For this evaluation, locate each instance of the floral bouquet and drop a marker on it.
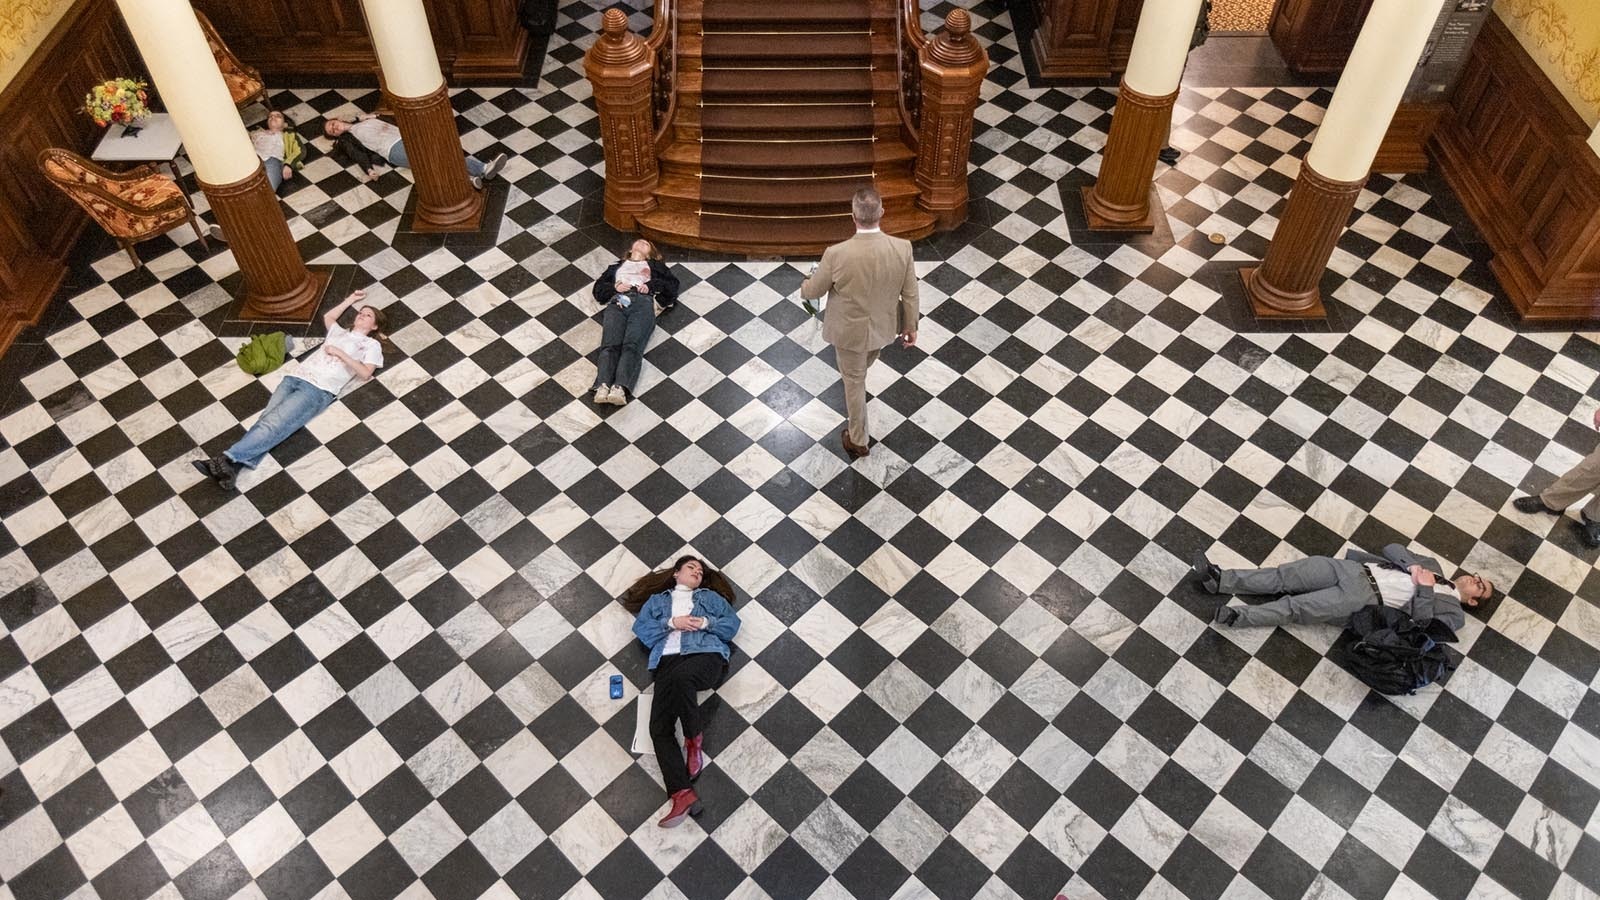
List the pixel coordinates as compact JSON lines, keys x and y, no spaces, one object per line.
{"x":120,"y":100}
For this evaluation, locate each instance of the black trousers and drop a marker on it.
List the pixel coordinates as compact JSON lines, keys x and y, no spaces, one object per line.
{"x":678,"y":678}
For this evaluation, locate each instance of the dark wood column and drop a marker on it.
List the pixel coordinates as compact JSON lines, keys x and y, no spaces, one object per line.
{"x":953,"y":66}
{"x":277,"y":284}
{"x":621,"y":73}
{"x":1284,"y":286}
{"x":1120,"y":197}
{"x":446,"y":200}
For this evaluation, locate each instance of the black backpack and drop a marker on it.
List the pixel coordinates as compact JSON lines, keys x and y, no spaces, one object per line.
{"x":1391,"y":653}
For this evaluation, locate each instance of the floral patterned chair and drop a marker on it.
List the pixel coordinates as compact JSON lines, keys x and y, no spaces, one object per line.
{"x":244,"y":82}
{"x":131,"y":206}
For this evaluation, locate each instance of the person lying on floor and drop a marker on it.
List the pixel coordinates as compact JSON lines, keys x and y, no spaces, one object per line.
{"x":1324,"y":590}
{"x":310,"y":388}
{"x":383,"y":139}
{"x":629,"y":292}
{"x":689,"y":631}
{"x":279,"y":147}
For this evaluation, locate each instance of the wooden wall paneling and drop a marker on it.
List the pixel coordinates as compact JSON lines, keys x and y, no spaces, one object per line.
{"x":1514,"y":151}
{"x":1122,"y":29}
{"x":38,"y":224}
{"x":1073,"y":39}
{"x":489,"y":40}
{"x":1315,"y":37}
{"x":478,"y":41}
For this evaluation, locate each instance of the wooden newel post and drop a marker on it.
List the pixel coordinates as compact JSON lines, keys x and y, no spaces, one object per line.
{"x":953,"y":66}
{"x":621,"y":69}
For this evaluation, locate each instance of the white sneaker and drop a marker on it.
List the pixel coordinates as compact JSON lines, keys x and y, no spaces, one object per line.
{"x":494,"y":166}
{"x":618,"y":396}
{"x":602,"y":394}
{"x":477,"y":183}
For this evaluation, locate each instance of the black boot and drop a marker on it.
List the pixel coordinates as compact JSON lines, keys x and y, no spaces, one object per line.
{"x":224,"y":470}
{"x":1209,"y":576}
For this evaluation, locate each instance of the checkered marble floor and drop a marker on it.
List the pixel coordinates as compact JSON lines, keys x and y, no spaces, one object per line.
{"x":971,"y":665}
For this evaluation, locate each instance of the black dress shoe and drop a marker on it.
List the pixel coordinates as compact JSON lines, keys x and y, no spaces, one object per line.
{"x":1532,"y":504}
{"x":1209,"y":576}
{"x":1226,"y":615}
{"x":1589,"y":531}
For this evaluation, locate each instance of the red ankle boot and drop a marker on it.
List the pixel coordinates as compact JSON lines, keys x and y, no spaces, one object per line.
{"x":695,"y":757}
{"x":684,"y":803}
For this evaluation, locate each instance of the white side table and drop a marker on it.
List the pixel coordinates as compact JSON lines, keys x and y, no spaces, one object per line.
{"x":157,"y":142}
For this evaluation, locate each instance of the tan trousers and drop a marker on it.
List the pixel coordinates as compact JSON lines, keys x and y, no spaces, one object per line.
{"x":1579,"y":482}
{"x":853,"y":366}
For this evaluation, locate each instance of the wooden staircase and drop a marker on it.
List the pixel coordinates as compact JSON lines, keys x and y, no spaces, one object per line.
{"x":784,"y":110}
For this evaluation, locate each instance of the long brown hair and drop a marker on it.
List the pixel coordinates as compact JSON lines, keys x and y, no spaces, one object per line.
{"x":380,"y":327}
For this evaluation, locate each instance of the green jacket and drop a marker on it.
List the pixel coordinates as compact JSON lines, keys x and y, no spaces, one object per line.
{"x":263,"y":353}
{"x":294,"y":151}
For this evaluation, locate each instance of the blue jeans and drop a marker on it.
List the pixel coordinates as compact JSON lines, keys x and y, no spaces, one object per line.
{"x":398,"y":159}
{"x":293,"y":404}
{"x":624,"y":333}
{"x":274,"y":167}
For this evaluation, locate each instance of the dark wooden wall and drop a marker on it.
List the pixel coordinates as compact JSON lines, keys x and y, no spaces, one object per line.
{"x":1315,"y":37}
{"x":1083,"y":38}
{"x":38,"y":224}
{"x":479,"y":41}
{"x":1514,"y":151}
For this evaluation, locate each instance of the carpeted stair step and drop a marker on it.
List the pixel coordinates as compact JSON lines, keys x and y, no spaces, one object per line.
{"x":766,"y":85}
{"x":749,"y":15}
{"x":800,"y":49}
{"x":744,"y":120}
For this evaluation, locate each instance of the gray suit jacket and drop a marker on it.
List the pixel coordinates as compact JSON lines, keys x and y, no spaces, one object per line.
{"x":1426,"y":604}
{"x":872,"y":291}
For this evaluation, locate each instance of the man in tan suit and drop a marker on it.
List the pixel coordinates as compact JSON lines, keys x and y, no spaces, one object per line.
{"x":1580,"y":481}
{"x":872,"y":299}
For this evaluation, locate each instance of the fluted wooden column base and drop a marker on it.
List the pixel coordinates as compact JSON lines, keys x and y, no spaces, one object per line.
{"x":1284,"y":286}
{"x":446,"y":200}
{"x":277,"y":284}
{"x":1119,"y":200}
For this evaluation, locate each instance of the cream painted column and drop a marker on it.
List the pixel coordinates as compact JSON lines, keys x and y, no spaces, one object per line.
{"x":446,"y":200}
{"x":1119,"y":200}
{"x":277,"y":284}
{"x":1284,"y":286}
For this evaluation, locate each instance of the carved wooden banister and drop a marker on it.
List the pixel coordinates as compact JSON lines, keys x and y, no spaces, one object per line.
{"x":621,"y":67}
{"x":951,"y":70}
{"x":663,"y":43}
{"x":909,"y":41}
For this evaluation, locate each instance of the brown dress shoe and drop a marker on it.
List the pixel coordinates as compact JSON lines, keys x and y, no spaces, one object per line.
{"x":855,"y":450}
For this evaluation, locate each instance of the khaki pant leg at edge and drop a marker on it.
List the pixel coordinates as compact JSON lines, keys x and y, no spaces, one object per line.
{"x":1580,"y":481}
{"x":853,"y":366}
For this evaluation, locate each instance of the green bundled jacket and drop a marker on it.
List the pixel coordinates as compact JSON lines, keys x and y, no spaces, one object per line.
{"x":263,"y":353}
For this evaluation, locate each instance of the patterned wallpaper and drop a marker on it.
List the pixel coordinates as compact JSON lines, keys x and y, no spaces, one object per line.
{"x":1563,"y":37}
{"x":23,"y":25}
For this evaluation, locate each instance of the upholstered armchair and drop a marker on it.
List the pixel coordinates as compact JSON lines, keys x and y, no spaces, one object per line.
{"x":131,"y":206}
{"x":244,"y":82}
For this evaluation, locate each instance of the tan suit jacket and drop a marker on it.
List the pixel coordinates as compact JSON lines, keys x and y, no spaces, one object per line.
{"x":872,"y":291}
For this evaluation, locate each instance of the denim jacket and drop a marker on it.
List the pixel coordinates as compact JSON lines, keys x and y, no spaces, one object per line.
{"x":722,"y":623}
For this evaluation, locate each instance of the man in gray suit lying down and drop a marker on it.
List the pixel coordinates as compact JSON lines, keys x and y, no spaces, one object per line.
{"x":1321,"y":589}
